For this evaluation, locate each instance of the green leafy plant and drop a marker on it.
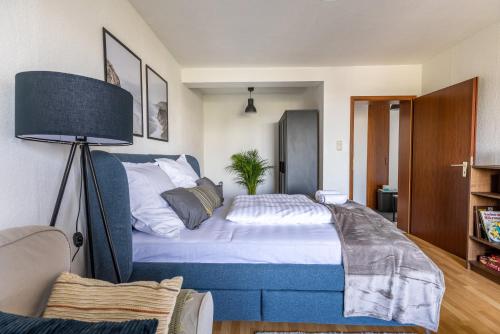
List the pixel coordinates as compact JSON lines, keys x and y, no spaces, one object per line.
{"x":249,"y":168}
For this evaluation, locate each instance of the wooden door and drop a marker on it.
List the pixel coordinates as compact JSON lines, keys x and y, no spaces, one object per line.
{"x":443,"y":135}
{"x":377,"y":162}
{"x":404,"y":164}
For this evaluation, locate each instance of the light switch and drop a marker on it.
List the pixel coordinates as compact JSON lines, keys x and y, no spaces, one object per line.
{"x":339,"y":145}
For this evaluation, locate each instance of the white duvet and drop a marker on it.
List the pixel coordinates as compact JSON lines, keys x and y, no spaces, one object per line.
{"x":277,"y":209}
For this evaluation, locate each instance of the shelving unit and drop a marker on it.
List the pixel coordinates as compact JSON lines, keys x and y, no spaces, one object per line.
{"x":485,"y":271}
{"x":481,"y":195}
{"x":486,"y":194}
{"x":485,"y":242}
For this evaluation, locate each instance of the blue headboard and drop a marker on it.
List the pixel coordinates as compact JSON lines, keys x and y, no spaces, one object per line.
{"x":113,"y":184}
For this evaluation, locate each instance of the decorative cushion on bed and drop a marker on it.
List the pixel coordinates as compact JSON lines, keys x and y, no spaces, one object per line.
{"x":208,"y":197}
{"x":17,"y":324}
{"x":150,"y":212}
{"x":179,"y":171}
{"x":207,"y":182}
{"x":92,"y":300}
{"x":187,"y":206}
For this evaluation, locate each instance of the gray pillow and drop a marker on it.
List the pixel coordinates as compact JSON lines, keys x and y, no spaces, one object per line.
{"x":187,"y":206}
{"x":205,"y":181}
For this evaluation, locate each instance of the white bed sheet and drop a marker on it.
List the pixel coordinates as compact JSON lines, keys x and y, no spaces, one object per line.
{"x":221,"y":241}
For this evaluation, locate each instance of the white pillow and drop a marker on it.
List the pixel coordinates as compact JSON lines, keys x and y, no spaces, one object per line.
{"x":179,"y":171}
{"x":152,"y":214}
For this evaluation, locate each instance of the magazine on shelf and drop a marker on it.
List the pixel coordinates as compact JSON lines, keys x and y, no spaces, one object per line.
{"x":490,"y":222}
{"x":478,"y":229}
{"x":492,"y":262}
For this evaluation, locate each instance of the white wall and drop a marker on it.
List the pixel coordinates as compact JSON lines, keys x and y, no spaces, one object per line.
{"x":360,"y":151}
{"x":228,"y":130}
{"x":316,"y":99}
{"x":393,"y":147}
{"x":478,"y":55}
{"x":340,"y":83}
{"x":66,"y":36}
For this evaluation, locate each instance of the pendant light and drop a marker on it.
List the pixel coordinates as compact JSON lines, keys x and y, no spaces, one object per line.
{"x":250,"y":107}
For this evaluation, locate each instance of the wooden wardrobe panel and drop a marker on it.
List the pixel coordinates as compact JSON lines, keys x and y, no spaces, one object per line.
{"x":443,"y":134}
{"x":404,"y":164}
{"x":377,"y":150}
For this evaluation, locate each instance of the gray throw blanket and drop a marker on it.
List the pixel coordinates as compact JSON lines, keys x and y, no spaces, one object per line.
{"x":387,"y":276}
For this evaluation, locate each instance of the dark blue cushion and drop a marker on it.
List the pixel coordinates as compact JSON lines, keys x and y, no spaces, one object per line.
{"x":16,"y":324}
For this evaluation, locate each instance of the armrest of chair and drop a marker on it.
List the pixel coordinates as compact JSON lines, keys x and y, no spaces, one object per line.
{"x":194,"y":314}
{"x":31,"y":258}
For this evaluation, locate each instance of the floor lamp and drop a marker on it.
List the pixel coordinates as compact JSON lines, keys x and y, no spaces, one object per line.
{"x":82,"y":112}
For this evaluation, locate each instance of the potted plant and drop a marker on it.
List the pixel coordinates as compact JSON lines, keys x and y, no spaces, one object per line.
{"x":249,"y":168}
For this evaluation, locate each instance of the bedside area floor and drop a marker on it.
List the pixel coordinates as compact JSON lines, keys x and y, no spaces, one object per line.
{"x":471,"y":304}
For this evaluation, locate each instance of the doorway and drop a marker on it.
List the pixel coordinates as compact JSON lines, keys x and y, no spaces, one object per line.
{"x":444,"y":127}
{"x":379,"y":141}
{"x":436,"y":148}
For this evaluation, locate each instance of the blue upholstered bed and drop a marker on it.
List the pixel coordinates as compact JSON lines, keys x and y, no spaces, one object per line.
{"x":257,"y":292}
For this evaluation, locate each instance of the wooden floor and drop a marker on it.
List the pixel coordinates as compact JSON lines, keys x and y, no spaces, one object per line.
{"x":471,"y":305}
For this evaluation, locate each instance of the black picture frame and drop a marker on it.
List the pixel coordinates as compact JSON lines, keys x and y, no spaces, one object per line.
{"x":106,"y":33}
{"x":149,"y":113}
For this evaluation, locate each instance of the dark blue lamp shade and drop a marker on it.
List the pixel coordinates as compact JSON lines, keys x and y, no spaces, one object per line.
{"x":67,"y":108}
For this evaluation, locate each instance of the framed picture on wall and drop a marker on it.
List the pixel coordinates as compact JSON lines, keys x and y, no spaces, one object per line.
{"x":156,"y":105}
{"x":123,"y":68}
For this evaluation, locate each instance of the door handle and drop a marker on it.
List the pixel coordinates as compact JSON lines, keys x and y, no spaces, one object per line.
{"x":282,"y":167}
{"x":464,"y":166}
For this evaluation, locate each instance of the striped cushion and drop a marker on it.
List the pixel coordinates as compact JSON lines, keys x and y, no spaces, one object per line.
{"x":207,"y":196}
{"x":217,"y":187}
{"x":92,"y":300}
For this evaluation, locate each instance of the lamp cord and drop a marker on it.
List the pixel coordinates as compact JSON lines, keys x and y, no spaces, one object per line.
{"x":78,"y":215}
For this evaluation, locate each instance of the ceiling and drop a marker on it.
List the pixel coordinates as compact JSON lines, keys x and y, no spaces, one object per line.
{"x":258,"y":90}
{"x":240,"y":33}
{"x":276,"y":87}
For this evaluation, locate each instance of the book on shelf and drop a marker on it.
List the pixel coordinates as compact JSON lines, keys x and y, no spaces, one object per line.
{"x":478,"y":231}
{"x":490,"y":261}
{"x":487,"y":225}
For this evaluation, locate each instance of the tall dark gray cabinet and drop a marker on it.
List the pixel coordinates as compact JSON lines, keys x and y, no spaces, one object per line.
{"x":298,"y":152}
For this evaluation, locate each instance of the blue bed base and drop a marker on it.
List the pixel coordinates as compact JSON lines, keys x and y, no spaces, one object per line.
{"x":255,"y":292}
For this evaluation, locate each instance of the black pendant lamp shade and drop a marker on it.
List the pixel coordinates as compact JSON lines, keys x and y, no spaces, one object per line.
{"x":250,"y":107}
{"x":67,"y":108}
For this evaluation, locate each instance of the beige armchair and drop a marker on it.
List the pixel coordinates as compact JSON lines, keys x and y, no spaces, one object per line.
{"x":32,"y":257}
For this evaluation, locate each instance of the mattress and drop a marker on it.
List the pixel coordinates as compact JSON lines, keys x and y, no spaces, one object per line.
{"x":221,"y":241}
